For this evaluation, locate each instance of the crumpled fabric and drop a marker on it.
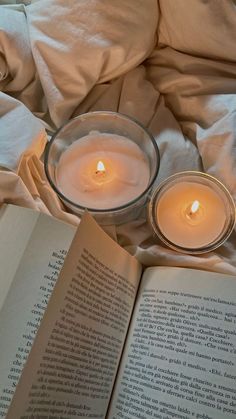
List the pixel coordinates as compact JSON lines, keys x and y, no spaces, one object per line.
{"x":170,"y":64}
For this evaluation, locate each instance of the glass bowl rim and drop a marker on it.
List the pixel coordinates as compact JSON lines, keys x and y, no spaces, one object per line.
{"x":100,"y":210}
{"x":191,"y":250}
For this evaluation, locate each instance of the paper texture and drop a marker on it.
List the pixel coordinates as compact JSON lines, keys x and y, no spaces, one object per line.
{"x":72,"y":366}
{"x":35,"y":245}
{"x":180,"y":356}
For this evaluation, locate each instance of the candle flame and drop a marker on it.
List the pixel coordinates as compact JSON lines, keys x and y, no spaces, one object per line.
{"x":195,"y":206}
{"x":100,"y":167}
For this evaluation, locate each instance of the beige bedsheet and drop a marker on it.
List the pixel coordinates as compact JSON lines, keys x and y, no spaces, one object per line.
{"x":171,"y":64}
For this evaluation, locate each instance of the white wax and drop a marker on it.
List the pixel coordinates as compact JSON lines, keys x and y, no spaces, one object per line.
{"x":175,"y":224}
{"x":126,"y":177}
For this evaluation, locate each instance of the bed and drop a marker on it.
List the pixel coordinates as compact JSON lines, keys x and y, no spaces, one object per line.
{"x":171,"y":64}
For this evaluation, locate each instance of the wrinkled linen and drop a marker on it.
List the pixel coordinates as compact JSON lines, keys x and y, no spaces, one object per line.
{"x":170,"y":64}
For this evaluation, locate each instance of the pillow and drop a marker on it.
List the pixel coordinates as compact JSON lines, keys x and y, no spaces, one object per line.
{"x":79,"y":43}
{"x":205,"y":28}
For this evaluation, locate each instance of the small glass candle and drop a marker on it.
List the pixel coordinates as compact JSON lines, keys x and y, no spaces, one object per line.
{"x":192,"y":212}
{"x":105,"y":162}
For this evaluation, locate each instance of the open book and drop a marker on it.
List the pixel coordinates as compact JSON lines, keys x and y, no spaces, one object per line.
{"x":113,"y":340}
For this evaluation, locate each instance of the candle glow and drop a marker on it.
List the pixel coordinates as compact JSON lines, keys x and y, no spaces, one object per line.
{"x":101,"y":175}
{"x":190,"y":222}
{"x":103,"y":171}
{"x":100,"y":168}
{"x":194,"y":208}
{"x":194,"y":212}
{"x":103,"y":162}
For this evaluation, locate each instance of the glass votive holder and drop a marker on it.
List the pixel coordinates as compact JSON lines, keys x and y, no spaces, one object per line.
{"x":192,"y":212}
{"x":105,"y":162}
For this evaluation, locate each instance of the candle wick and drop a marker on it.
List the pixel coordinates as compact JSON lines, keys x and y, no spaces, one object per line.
{"x":191,"y":214}
{"x":194,"y":208}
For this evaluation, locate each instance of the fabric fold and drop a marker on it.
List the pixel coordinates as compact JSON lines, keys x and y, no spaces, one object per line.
{"x":169,"y":64}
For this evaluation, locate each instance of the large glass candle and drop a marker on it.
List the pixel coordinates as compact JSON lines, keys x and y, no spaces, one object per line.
{"x":104,"y":162}
{"x":192,"y":212}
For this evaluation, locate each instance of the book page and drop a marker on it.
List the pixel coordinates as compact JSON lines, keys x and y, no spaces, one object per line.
{"x":73,"y":363}
{"x":16,"y":225}
{"x":180,"y":357}
{"x":32,"y":249}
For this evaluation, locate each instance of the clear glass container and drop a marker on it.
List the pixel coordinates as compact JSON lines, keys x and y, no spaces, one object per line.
{"x":109,"y":123}
{"x":176,"y":222}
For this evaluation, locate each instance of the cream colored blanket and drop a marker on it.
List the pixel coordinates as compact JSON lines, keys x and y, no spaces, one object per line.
{"x":171,"y":64}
